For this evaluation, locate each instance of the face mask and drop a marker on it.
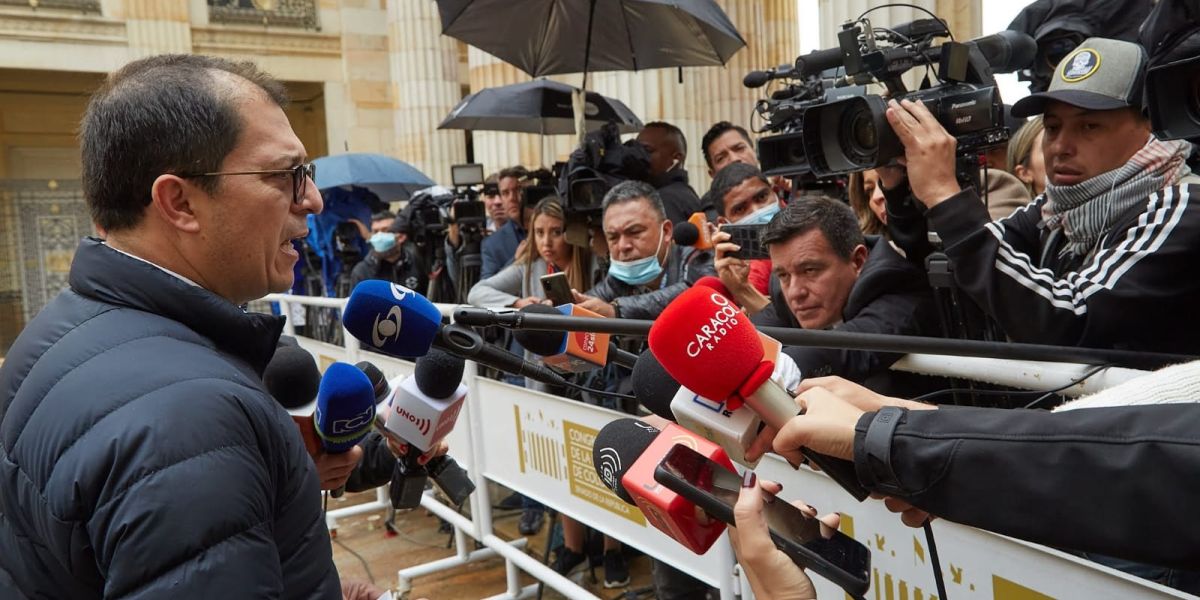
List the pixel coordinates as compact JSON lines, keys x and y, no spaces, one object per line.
{"x":761,"y":216}
{"x":383,"y":241}
{"x":640,"y":271}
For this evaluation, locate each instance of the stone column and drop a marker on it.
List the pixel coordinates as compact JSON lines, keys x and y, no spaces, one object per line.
{"x":425,"y":88}
{"x":156,"y":26}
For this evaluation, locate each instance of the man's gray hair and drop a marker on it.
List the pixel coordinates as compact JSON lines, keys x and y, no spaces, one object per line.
{"x":630,"y":191}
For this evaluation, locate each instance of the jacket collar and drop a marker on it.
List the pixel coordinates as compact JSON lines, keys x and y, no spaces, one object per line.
{"x":104,"y":274}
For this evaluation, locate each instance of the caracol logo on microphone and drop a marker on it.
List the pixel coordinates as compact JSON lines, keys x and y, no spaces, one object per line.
{"x":711,"y":333}
{"x":400,"y":292}
{"x":387,"y":326}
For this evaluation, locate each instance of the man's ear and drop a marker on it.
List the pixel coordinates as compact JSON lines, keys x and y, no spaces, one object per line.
{"x":171,"y":201}
{"x":858,"y":257}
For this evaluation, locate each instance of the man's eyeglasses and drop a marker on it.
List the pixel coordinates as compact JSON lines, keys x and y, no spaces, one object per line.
{"x":300,"y":176}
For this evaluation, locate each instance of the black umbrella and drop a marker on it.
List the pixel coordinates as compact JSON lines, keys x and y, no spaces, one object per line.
{"x":548,"y":37}
{"x":541,"y":106}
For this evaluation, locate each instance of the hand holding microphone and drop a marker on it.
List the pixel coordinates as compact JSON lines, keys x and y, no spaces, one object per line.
{"x":344,"y":416}
{"x":711,"y":347}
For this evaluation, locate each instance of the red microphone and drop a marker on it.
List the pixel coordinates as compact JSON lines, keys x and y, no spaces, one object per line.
{"x":711,"y":348}
{"x":715,"y":283}
{"x":625,"y":454}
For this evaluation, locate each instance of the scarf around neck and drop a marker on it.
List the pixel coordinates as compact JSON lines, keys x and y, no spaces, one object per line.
{"x":1085,"y":211}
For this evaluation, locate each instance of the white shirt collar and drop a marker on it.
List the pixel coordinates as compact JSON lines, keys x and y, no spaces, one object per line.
{"x":159,"y":267}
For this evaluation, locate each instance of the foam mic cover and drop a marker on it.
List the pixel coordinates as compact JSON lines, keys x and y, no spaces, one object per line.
{"x":292,"y":377}
{"x":542,"y":343}
{"x":439,"y":374}
{"x":567,"y":351}
{"x":653,"y":386}
{"x":378,"y":380}
{"x":708,"y":345}
{"x":686,"y":234}
{"x":391,"y":318}
{"x":714,"y":283}
{"x":626,"y":453}
{"x":345,"y":407}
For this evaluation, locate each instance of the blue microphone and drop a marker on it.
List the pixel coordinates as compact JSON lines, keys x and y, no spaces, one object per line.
{"x":377,"y":312}
{"x":396,"y":320}
{"x":345,"y":410}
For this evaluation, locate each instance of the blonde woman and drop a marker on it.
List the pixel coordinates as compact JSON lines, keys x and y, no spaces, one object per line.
{"x":1025,"y":158}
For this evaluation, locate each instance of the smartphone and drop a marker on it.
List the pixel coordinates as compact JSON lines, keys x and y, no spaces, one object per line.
{"x":557,"y":289}
{"x":714,"y":488}
{"x":749,"y":237}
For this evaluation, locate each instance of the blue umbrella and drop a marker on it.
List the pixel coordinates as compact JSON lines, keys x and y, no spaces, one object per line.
{"x":391,"y":179}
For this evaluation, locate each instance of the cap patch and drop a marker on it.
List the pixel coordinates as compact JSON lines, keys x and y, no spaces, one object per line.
{"x":1080,"y":65}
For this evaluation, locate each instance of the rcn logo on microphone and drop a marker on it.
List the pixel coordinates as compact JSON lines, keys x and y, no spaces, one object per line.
{"x":388,"y":326}
{"x":724,"y":317}
{"x":354,"y":424}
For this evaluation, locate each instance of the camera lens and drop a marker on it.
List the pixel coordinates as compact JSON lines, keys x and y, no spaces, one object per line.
{"x":859,"y":139}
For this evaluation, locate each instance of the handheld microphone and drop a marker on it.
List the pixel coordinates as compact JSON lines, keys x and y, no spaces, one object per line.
{"x":378,"y":313}
{"x":292,"y":377}
{"x":757,"y":79}
{"x":577,"y":347}
{"x":571,"y":352}
{"x":693,"y":232}
{"x":345,"y":409}
{"x":625,"y":454}
{"x":711,"y":347}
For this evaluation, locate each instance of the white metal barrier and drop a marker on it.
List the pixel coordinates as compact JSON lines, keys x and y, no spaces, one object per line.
{"x":540,"y":446}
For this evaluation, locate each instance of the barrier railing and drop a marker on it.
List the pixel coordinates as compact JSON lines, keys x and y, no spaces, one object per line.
{"x":540,"y":445}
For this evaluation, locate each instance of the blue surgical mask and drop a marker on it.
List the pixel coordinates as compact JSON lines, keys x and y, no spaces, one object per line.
{"x":761,"y":216}
{"x":640,"y":271}
{"x":383,"y":241}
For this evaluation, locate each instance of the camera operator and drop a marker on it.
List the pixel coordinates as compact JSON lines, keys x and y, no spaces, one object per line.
{"x":647,"y":270}
{"x":667,"y":147}
{"x":725,"y":143}
{"x":392,"y":257}
{"x":502,"y":246}
{"x":1109,"y":238}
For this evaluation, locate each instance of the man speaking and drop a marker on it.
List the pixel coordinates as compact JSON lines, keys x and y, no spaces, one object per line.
{"x":139,"y":453}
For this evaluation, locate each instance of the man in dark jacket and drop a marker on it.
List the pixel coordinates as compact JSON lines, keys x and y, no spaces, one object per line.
{"x":667,"y":147}
{"x":140,"y":455}
{"x":499,"y":248}
{"x":826,"y":275}
{"x":647,"y":270}
{"x":391,"y":258}
{"x":1100,"y":259}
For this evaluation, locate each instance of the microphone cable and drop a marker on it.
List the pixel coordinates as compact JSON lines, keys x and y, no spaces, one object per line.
{"x":934,"y":561}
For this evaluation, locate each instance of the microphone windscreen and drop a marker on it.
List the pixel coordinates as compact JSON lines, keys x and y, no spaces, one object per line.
{"x":292,"y":377}
{"x":345,"y":407}
{"x":653,"y":386}
{"x":715,"y":283}
{"x":686,"y":234}
{"x":542,"y":343}
{"x":706,"y":343}
{"x":391,"y":318}
{"x":378,"y":380}
{"x":439,"y":373}
{"x":617,"y":446}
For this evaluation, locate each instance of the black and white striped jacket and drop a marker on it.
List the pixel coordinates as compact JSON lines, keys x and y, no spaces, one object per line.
{"x":1137,"y":290}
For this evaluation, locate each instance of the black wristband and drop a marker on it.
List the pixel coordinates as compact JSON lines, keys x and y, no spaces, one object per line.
{"x":875,"y":454}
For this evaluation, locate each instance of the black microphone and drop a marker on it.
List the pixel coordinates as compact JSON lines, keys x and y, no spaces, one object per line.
{"x":554,"y":344}
{"x":467,"y":344}
{"x":292,"y":377}
{"x":686,"y":234}
{"x":757,"y":79}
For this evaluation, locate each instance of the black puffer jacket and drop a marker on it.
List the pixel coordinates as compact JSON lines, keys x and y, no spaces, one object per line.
{"x":140,"y":455}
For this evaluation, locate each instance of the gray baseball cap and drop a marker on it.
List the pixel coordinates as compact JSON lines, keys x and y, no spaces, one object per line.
{"x":1099,"y":74}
